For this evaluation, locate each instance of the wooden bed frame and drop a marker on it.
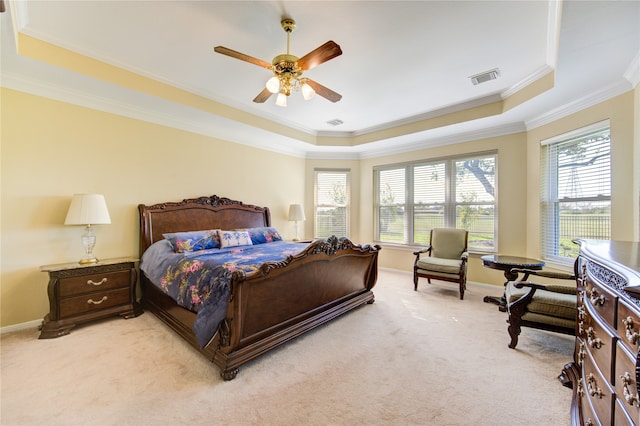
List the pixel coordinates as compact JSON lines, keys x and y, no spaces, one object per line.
{"x":269,"y":307}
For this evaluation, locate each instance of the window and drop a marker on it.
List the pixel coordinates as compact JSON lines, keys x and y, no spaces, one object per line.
{"x":331,"y":203}
{"x":459,"y":192}
{"x":576,"y":191}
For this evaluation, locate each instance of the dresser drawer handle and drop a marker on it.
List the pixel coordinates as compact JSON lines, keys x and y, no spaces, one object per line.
{"x":93,"y":302}
{"x":595,"y":299}
{"x":592,"y":385}
{"x":632,"y":336}
{"x":581,"y":353}
{"x":580,"y":388}
{"x":93,"y":283}
{"x":594,"y":342}
{"x":628,"y":394}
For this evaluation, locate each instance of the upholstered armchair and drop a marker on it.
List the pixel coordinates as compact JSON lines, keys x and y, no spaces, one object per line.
{"x":445,"y":258}
{"x":550,"y":307}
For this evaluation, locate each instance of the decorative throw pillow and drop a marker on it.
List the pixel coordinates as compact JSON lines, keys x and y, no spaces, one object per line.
{"x":265,"y":234}
{"x":194,"y":240}
{"x":234,"y":238}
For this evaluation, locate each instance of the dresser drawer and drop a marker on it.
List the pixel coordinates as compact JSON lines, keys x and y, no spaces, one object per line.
{"x":621,"y":417}
{"x":599,"y":342}
{"x":596,"y":388}
{"x":589,"y":417}
{"x":625,"y":381}
{"x":628,"y":326}
{"x":94,"y":302}
{"x":74,"y":286}
{"x":603,"y":300}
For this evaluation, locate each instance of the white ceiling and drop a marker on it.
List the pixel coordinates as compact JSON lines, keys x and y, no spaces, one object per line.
{"x":402,"y":62}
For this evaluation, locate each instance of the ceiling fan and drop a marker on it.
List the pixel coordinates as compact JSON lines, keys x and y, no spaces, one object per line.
{"x":287,"y":70}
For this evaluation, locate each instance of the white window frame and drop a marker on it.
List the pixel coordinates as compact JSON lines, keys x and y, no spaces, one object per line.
{"x":551,"y":248}
{"x":450,"y":203}
{"x":318,"y":205}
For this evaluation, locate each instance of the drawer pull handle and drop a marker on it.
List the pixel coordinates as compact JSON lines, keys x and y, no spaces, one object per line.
{"x":632,"y":336}
{"x":628,"y":394}
{"x":93,"y":283}
{"x":93,"y":302}
{"x":595,"y":299}
{"x":594,"y":342}
{"x":581,"y":353}
{"x":592,"y":385}
{"x":580,"y":388}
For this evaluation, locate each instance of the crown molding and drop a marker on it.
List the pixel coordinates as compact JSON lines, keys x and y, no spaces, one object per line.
{"x":632,"y":74}
{"x":99,"y":103}
{"x":578,"y":105}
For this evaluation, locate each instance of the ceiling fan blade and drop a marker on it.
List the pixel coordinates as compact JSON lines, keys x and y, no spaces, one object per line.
{"x":262,"y":96}
{"x":322,"y":54}
{"x":242,"y":57}
{"x":324,"y":91}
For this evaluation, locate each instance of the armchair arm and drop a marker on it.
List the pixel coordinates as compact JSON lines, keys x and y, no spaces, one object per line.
{"x":427,"y":249}
{"x":544,"y":274}
{"x":550,"y":287}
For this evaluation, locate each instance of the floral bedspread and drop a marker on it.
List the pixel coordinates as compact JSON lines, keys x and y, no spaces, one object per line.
{"x":199,"y":280}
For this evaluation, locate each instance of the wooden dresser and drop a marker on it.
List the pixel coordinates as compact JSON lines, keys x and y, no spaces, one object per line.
{"x":606,"y":368}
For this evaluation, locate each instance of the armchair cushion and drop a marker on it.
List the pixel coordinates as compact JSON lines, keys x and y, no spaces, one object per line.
{"x":435,"y":264}
{"x":548,"y":303}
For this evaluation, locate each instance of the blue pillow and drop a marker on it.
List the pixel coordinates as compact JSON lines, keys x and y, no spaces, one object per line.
{"x":194,"y":240}
{"x":265,"y":234}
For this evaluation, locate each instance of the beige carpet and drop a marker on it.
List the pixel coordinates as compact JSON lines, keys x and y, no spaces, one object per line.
{"x":411,"y":358}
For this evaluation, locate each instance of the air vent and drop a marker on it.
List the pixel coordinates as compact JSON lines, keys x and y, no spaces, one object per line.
{"x":483,"y":77}
{"x":335,"y":122}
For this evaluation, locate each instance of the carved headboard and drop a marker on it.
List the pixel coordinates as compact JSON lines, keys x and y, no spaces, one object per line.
{"x":196,"y":214}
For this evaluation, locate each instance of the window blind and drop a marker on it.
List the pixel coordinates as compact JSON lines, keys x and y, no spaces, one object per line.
{"x":575,"y":193}
{"x":332,"y":200}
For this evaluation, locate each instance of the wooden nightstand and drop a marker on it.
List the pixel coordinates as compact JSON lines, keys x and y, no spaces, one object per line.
{"x":82,"y":293}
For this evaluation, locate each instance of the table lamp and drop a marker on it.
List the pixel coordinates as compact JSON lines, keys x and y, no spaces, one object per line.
{"x":296,"y":213}
{"x":88,"y":209}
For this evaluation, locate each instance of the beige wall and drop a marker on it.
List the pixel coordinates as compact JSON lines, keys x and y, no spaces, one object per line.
{"x":50,"y":150}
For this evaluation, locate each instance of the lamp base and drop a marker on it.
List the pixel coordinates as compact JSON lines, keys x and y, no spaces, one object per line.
{"x":88,"y":261}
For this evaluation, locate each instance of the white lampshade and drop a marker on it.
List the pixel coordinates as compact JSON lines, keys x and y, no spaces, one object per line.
{"x":273,"y":84}
{"x":296,"y":212}
{"x":307,"y":91}
{"x":281,"y":100}
{"x":88,"y":209}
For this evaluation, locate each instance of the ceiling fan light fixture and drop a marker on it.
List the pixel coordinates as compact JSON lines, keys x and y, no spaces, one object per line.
{"x":273,"y":84}
{"x":281,"y":100}
{"x":307,"y":91}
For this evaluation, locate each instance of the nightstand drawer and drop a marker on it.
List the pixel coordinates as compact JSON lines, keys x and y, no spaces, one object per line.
{"x":94,"y":302}
{"x":97,"y":282}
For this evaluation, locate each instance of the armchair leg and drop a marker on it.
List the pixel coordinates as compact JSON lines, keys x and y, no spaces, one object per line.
{"x":514,"y":332}
{"x":462,"y":288}
{"x":415,"y":281}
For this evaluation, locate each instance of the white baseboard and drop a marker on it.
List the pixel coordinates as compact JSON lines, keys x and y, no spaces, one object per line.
{"x":22,"y":326}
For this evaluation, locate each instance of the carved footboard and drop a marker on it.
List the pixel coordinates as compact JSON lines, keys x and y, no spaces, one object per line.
{"x":286,"y":299}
